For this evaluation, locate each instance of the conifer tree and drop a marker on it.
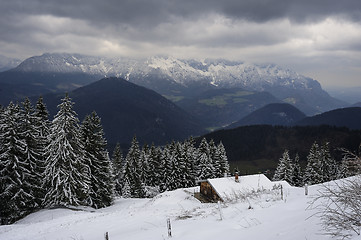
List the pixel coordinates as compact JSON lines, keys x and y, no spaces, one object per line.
{"x":159,"y":165}
{"x":126,"y":192}
{"x":313,"y":173}
{"x":66,"y":173}
{"x":191,"y":155}
{"x":42,"y":126}
{"x":31,"y":132}
{"x":206,"y":169}
{"x":118,"y":168}
{"x":284,"y":168}
{"x":223,"y":159}
{"x":215,"y":160}
{"x":143,"y":163}
{"x":14,"y":195}
{"x":41,"y":111}
{"x":101,"y":188}
{"x":343,"y":170}
{"x":154,"y":170}
{"x":297,"y":179}
{"x":328,"y":164}
{"x":184,"y":173}
{"x":172,"y":171}
{"x":166,"y":161}
{"x":132,"y":170}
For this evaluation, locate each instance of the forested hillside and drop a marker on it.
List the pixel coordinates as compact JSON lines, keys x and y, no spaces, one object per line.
{"x":258,"y":148}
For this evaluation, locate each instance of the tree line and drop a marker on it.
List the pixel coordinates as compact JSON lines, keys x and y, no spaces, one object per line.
{"x":150,"y":170}
{"x":64,"y":163}
{"x":321,"y":166}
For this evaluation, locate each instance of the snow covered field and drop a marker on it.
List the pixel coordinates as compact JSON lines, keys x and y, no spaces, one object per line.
{"x":270,"y":217}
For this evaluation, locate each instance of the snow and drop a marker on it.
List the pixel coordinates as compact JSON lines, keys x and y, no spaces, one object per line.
{"x":133,"y":219}
{"x":227,"y":187}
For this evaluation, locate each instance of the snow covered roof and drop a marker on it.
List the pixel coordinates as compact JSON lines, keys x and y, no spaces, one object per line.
{"x":284,"y":183}
{"x":227,"y":188}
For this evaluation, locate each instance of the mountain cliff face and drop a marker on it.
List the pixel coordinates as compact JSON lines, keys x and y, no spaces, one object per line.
{"x":176,"y":78}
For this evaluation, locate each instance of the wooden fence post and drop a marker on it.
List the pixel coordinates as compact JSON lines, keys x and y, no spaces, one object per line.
{"x":169,"y":228}
{"x":220,"y":210}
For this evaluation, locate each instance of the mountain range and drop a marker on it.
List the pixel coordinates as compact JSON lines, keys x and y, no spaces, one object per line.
{"x":282,"y":114}
{"x":219,"y":107}
{"x":350,"y":95}
{"x":129,"y":110}
{"x":174,"y":78}
{"x":204,"y":94}
{"x":343,"y":117}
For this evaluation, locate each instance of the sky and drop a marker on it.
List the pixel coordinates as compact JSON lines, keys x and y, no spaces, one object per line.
{"x":317,"y":38}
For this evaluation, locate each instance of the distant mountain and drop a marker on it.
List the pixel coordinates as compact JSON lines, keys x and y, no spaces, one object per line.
{"x":7,"y":63}
{"x":281,"y":114}
{"x":358,"y":104}
{"x":15,"y":85}
{"x":176,"y":78}
{"x":344,"y":117}
{"x":127,"y":110}
{"x":348,"y":94}
{"x":219,"y":107}
{"x":254,"y":149}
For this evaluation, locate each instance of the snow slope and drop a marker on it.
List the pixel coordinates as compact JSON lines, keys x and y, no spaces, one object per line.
{"x":136,"y":219}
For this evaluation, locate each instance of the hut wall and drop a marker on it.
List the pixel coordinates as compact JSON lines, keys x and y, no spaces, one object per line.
{"x":207,"y":190}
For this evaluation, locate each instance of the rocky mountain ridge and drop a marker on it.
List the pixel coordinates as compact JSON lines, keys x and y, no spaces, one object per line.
{"x":179,"y":78}
{"x":219,"y":72}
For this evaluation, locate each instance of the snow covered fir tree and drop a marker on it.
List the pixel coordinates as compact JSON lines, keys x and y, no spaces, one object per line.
{"x":67,"y":174}
{"x":321,"y":167}
{"x":147,"y":171}
{"x":284,"y":168}
{"x":101,"y":185}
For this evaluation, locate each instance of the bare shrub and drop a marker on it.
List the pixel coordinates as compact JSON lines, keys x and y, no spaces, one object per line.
{"x":352,"y":162}
{"x":338,"y":206}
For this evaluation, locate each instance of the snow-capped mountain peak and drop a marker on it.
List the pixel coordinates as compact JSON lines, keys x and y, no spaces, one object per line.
{"x":219,"y":72}
{"x":179,"y":78}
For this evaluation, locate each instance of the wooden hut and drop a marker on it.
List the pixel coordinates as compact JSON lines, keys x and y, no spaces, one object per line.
{"x":228,"y":188}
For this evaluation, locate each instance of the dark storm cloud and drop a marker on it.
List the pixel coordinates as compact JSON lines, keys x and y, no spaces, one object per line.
{"x":167,"y":21}
{"x":280,"y":31}
{"x":295,"y":10}
{"x":153,"y":12}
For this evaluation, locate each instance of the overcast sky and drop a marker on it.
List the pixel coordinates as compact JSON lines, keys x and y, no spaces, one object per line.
{"x":317,"y":38}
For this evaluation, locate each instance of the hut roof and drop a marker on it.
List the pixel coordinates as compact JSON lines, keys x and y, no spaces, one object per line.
{"x":227,"y":188}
